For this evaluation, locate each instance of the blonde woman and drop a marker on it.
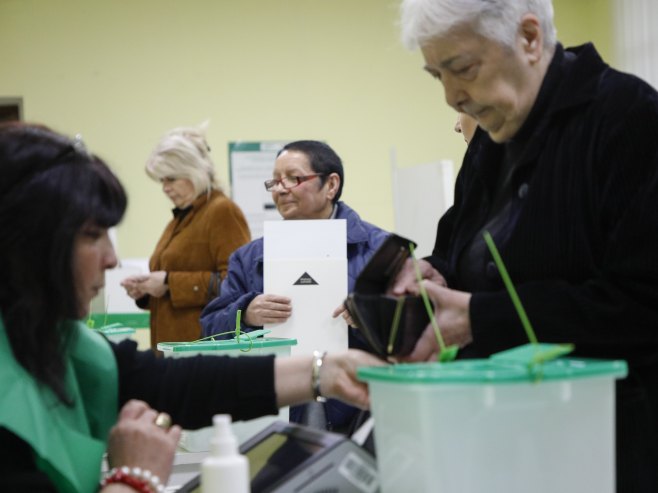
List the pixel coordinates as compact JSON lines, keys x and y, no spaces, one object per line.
{"x":192,"y":255}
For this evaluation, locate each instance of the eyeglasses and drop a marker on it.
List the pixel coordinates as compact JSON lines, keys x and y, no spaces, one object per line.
{"x":288,"y":182}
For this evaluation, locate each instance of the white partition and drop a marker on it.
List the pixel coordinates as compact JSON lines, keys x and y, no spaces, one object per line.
{"x":421,"y":194}
{"x":115,"y":298}
{"x":636,"y":38}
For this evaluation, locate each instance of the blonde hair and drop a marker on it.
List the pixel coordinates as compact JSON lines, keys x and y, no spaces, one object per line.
{"x":184,"y":153}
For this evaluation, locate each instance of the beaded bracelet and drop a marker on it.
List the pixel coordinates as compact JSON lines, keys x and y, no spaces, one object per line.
{"x":141,"y":480}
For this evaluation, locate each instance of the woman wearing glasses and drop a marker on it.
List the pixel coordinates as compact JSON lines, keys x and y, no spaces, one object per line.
{"x":307,"y":184}
{"x":68,"y":395}
{"x":192,"y":253}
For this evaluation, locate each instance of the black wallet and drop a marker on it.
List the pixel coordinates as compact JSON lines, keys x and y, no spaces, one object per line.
{"x":390,"y":325}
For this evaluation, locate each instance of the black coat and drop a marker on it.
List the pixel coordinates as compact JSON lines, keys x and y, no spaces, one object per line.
{"x":580,"y":241}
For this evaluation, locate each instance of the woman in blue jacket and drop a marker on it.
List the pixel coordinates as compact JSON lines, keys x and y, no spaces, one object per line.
{"x":307,"y":184}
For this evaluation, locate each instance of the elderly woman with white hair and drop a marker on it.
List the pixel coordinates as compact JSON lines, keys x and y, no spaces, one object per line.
{"x":563,"y":172}
{"x":191,"y":257}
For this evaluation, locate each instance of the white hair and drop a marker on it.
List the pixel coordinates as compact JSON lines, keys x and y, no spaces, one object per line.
{"x":498,"y":20}
{"x":184,"y":153}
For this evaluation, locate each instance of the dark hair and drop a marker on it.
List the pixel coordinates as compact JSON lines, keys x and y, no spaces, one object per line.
{"x":50,"y":187}
{"x":323,"y":160}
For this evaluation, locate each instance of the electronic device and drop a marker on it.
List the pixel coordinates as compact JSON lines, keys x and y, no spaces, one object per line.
{"x":287,"y":457}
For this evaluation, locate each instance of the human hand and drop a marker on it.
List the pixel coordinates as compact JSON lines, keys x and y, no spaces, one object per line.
{"x":342,"y":310}
{"x":132,"y":285}
{"x":452,"y":317}
{"x":338,"y":376}
{"x":153,"y":284}
{"x":406,"y":281}
{"x":267,"y":309}
{"x":136,"y":441}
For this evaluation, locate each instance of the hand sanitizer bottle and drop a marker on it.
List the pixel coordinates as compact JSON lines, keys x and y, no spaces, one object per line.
{"x":225,"y":470}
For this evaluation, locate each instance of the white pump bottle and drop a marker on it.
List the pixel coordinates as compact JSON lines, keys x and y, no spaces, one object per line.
{"x":225,"y":469}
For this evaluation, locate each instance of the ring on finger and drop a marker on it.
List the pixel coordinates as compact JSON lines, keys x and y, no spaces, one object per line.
{"x":163,"y":420}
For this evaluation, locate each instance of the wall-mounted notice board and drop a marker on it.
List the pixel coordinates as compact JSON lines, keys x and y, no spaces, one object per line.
{"x":250,"y":164}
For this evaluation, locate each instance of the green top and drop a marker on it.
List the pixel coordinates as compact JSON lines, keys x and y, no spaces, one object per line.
{"x":68,"y":442}
{"x":488,"y":371}
{"x":224,"y":345}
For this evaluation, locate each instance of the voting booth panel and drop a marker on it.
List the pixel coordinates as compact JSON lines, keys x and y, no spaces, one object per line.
{"x":421,"y":194}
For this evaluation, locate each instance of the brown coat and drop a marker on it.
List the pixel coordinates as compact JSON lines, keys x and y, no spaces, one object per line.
{"x":192,"y":250}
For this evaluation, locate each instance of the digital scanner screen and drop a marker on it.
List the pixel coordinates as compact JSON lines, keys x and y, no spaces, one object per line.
{"x":275,"y":456}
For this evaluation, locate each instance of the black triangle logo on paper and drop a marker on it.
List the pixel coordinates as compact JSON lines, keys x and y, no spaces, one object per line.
{"x":305,"y":280}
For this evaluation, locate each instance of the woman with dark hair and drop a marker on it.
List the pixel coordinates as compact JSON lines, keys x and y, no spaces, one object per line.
{"x":62,"y":383}
{"x":51,"y":190}
{"x":307,"y":182}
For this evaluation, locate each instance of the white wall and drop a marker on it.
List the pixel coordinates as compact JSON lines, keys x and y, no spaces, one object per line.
{"x":636,"y":38}
{"x":421,"y":194}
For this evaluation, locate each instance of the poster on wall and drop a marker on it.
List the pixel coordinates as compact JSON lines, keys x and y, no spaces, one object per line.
{"x":250,"y":164}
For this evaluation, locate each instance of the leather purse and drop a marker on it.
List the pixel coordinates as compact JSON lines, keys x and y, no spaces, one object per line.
{"x":391,"y":325}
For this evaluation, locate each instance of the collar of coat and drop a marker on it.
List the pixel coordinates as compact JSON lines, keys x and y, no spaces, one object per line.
{"x":198,"y":202}
{"x":570,"y":82}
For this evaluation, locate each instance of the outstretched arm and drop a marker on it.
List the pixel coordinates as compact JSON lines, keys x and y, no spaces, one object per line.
{"x":293,"y":378}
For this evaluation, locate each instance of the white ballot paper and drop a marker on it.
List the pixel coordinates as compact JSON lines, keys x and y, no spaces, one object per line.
{"x":306,"y":260}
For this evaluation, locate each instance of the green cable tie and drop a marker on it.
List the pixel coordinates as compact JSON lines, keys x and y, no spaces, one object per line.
{"x":396,"y":324}
{"x":211,"y":337}
{"x":90,"y":321}
{"x":251,"y":343}
{"x":446,"y":353}
{"x":238,"y":317}
{"x":237,"y":332}
{"x":510,"y":288}
{"x":105,"y":310}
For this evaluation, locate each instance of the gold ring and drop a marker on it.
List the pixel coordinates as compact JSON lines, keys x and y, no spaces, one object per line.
{"x":163,"y":420}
